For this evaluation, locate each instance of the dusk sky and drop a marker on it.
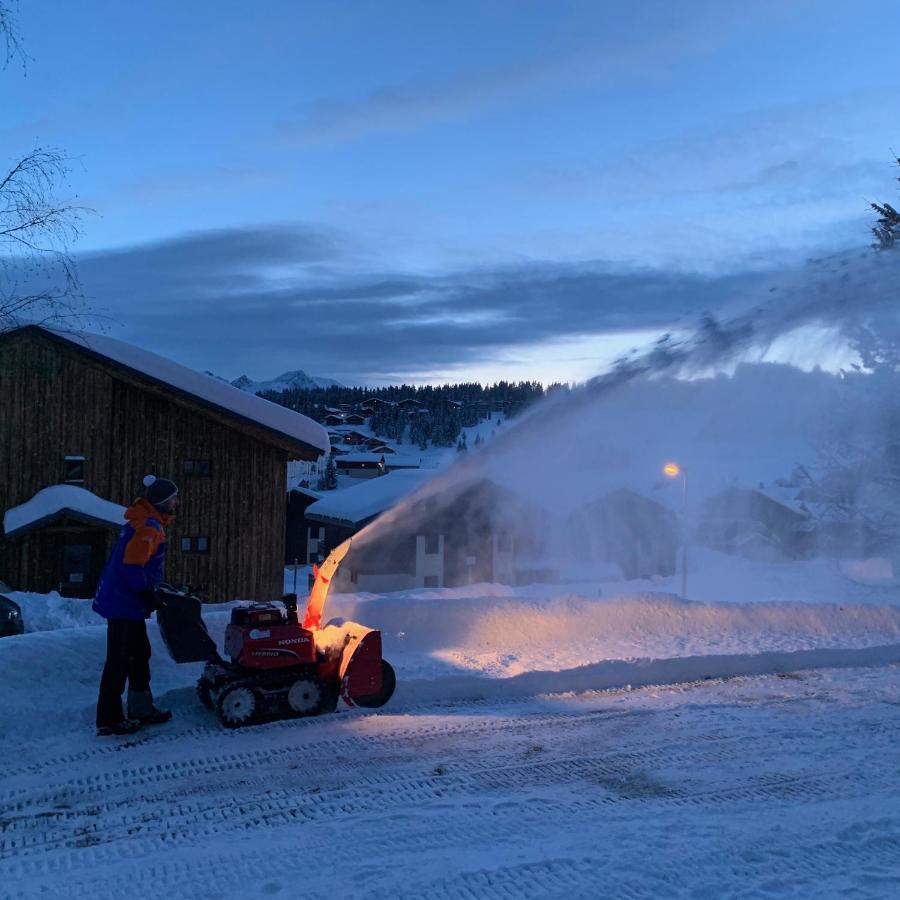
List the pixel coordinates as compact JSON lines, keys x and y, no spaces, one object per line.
{"x":415,"y":191}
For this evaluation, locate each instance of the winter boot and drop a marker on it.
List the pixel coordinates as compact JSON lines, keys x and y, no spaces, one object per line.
{"x":125,"y":726}
{"x":141,"y":708}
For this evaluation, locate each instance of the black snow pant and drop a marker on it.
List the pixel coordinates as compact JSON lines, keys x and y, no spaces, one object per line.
{"x":127,"y":659}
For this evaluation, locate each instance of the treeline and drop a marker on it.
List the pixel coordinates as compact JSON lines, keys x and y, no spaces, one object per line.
{"x":449,"y":407}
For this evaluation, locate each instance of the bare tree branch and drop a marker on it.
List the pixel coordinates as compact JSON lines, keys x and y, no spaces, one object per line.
{"x":10,"y":34}
{"x":38,"y":275}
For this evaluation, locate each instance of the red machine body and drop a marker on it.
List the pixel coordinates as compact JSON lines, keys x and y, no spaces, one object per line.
{"x":263,"y":637}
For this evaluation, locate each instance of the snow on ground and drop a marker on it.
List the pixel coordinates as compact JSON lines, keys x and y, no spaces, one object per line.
{"x":764,"y":787}
{"x":497,"y":770}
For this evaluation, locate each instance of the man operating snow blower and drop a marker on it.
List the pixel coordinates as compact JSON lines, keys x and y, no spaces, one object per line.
{"x":126,"y":596}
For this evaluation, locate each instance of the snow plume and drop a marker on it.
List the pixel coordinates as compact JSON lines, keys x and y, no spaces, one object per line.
{"x":580,"y":475}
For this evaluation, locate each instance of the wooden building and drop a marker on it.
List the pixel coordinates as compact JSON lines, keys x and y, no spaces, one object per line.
{"x":94,"y":412}
{"x":296,"y":542}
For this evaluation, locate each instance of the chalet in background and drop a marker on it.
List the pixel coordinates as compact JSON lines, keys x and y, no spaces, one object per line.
{"x":623,"y":527}
{"x":97,"y":414}
{"x":475,"y":531}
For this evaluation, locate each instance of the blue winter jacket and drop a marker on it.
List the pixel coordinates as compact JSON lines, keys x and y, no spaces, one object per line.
{"x":136,"y":564}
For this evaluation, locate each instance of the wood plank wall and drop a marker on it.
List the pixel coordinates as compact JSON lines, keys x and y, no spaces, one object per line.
{"x":56,"y":400}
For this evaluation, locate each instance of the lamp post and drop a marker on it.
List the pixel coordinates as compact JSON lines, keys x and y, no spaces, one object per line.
{"x":673,"y":470}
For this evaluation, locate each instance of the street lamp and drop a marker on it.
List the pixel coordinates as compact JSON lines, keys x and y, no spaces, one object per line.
{"x":673,"y":470}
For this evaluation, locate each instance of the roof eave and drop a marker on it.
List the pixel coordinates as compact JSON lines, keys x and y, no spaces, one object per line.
{"x":287,"y":442}
{"x":66,"y":511}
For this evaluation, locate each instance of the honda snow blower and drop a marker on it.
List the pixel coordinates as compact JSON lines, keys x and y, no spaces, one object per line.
{"x":278,"y":668}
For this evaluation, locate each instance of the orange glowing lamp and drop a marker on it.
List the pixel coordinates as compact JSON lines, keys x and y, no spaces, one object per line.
{"x":672,"y":469}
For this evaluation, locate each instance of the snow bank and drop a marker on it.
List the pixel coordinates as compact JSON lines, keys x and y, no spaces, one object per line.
{"x":49,"y":612}
{"x":496,"y":641}
{"x":446,"y":648}
{"x":501,"y":636}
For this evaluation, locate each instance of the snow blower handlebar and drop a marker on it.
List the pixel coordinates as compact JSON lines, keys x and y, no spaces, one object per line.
{"x":324,"y":574}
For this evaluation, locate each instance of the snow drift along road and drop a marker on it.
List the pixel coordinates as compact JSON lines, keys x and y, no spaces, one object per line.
{"x":487,"y":641}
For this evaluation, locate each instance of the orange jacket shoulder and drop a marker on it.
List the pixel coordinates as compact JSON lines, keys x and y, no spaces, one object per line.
{"x":144,"y":543}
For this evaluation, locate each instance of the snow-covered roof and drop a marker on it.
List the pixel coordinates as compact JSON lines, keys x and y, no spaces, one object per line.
{"x":211,"y":391}
{"x":353,"y":505}
{"x":307,"y":492}
{"x":51,"y":501}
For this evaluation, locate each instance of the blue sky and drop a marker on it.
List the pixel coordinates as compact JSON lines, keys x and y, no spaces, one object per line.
{"x":420,"y":191}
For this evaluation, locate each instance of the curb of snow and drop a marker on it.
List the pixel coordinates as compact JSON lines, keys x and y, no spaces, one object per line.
{"x":613,"y":674}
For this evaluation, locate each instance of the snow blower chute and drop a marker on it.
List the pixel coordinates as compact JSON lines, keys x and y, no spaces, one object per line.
{"x":277,"y":668}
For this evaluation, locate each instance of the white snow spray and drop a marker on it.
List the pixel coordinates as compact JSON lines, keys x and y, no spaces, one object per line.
{"x":580,"y":475}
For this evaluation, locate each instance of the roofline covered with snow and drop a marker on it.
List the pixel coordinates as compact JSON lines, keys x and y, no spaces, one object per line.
{"x":66,"y":512}
{"x":261,"y":414}
{"x":354,"y":507}
{"x":57,"y":500}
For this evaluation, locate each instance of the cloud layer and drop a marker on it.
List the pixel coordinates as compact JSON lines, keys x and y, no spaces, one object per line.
{"x":263,"y":300}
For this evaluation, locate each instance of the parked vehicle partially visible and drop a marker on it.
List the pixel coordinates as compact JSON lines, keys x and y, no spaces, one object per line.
{"x":10,"y":613}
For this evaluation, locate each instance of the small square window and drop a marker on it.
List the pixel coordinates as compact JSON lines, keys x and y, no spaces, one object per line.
{"x":74,"y":470}
{"x":197,"y":468}
{"x":195,"y":544}
{"x":432,"y":581}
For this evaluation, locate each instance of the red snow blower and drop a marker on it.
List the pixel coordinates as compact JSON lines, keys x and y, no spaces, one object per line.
{"x":277,"y":668}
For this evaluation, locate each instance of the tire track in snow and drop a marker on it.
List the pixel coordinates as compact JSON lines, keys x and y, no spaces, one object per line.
{"x":809,"y":864}
{"x":620,"y":778}
{"x":621,"y":781}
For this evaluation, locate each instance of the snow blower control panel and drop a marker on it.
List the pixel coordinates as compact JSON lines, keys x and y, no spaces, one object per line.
{"x":263,"y":636}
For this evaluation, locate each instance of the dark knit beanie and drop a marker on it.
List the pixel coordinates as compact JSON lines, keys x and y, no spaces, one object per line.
{"x":159,"y":490}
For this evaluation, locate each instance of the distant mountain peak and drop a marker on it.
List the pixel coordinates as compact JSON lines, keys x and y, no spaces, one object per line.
{"x":285,"y":382}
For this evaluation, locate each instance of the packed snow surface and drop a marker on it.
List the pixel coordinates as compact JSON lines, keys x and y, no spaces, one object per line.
{"x":568,"y":740}
{"x":58,"y":497}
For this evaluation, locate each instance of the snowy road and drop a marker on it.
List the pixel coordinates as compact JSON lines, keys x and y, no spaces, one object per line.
{"x":763,"y":787}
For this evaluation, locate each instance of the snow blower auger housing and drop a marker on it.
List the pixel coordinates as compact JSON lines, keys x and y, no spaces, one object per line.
{"x":277,"y":668}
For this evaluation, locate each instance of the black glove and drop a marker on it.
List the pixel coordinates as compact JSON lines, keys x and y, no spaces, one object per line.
{"x":151,"y":600}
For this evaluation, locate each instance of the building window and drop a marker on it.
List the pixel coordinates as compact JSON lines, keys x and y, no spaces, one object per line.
{"x":198,"y":468}
{"x":432,"y":544}
{"x":432,"y":581}
{"x":74,"y":470}
{"x":198,"y":544}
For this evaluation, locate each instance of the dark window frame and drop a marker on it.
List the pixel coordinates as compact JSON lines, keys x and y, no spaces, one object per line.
{"x":197,"y":468}
{"x":74,"y":469}
{"x":193,"y":544}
